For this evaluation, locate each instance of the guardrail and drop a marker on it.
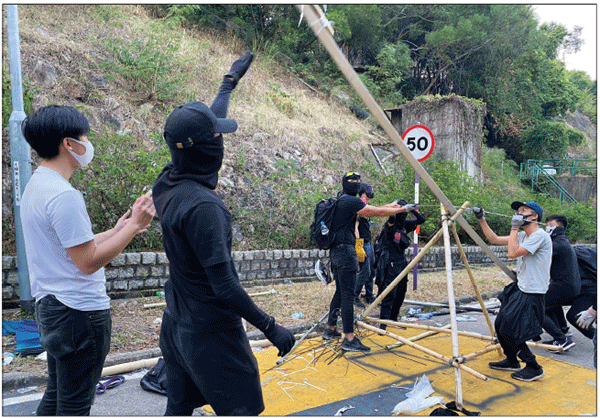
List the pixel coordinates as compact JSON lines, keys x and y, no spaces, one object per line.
{"x":533,"y":170}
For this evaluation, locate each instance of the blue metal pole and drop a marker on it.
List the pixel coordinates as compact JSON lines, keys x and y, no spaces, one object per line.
{"x":20,"y":153}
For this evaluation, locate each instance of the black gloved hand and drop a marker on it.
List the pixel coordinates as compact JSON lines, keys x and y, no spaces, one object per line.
{"x":239,"y":67}
{"x":479,"y":212}
{"x":281,"y":337}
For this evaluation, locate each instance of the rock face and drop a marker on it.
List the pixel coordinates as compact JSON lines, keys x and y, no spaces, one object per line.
{"x":456,"y":124}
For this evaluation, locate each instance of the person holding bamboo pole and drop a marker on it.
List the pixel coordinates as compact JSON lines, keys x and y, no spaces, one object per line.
{"x":522,"y":310}
{"x":344,"y":261}
{"x":392,"y":242}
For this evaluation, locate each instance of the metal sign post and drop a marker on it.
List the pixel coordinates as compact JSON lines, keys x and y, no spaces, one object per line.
{"x":20,"y":153}
{"x":420,"y":142}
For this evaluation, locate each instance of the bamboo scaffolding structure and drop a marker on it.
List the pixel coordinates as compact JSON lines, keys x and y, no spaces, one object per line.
{"x":317,"y":22}
{"x":408,"y":268}
{"x":452,"y":362}
{"x":483,"y":351}
{"x":452,"y":303}
{"x":416,"y":337}
{"x":470,"y":273}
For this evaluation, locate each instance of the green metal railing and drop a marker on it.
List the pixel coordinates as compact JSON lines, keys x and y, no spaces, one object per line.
{"x":573,"y":166}
{"x":536,"y":172}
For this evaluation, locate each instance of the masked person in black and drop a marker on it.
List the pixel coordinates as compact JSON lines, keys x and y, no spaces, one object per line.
{"x":363,"y":240}
{"x":344,"y":262}
{"x":207,"y":354}
{"x":391,"y":244}
{"x":565,"y":282}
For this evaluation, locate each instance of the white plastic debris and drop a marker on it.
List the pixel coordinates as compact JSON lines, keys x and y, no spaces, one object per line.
{"x":7,"y":358}
{"x":27,"y":389}
{"x":417,"y":398}
{"x":342,"y":410}
{"x":42,"y":356}
{"x":157,"y":321}
{"x":465,"y":318}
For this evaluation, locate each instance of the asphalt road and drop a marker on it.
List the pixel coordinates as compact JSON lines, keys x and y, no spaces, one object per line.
{"x":129,"y":399}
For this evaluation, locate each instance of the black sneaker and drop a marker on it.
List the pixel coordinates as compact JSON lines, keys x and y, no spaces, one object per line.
{"x":358,"y":303}
{"x":330,"y":334}
{"x":536,"y":339}
{"x":505,"y":364}
{"x":528,"y":374}
{"x":354,"y":345}
{"x":567,"y":331}
{"x":568,"y":343}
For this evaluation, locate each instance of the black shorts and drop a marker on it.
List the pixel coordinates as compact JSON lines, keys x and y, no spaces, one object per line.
{"x":521,"y":314}
{"x":216,"y":368}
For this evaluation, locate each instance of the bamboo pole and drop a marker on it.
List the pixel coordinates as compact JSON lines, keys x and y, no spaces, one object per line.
{"x":470,"y":273}
{"x":452,"y":303}
{"x":317,"y":21}
{"x":432,"y":353}
{"x":480,"y":352}
{"x":129,"y":367}
{"x":461,"y":333}
{"x":408,"y":268}
{"x":416,"y":337}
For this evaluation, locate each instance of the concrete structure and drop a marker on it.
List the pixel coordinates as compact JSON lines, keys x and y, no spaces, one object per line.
{"x":456,"y":123}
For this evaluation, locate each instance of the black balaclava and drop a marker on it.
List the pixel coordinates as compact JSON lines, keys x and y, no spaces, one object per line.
{"x":201,"y":162}
{"x":400,"y":217}
{"x":351,"y":188}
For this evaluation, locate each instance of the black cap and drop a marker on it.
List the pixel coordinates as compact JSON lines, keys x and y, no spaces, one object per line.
{"x":194,"y":122}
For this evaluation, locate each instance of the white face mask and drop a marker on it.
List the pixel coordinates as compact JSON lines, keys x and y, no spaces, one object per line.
{"x":550,"y":229}
{"x":87,"y":156}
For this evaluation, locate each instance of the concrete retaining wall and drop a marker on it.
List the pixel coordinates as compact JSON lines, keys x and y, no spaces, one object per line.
{"x":135,"y":274}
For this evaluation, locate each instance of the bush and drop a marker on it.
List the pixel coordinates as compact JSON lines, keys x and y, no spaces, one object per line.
{"x":120,"y":172}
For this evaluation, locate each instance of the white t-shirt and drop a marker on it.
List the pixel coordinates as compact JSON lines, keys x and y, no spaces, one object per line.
{"x":533,"y":269}
{"x":54,"y":217}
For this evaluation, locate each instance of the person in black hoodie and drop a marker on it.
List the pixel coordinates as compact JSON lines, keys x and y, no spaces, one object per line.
{"x":565,"y":282}
{"x":391,"y":243}
{"x":206,"y":351}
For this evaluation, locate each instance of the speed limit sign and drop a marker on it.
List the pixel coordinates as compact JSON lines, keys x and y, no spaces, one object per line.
{"x":419,"y":141}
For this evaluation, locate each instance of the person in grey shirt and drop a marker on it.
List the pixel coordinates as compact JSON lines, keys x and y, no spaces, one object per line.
{"x":522,"y":310}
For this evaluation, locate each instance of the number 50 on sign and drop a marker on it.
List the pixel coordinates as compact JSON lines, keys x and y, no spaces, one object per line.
{"x":419,"y":141}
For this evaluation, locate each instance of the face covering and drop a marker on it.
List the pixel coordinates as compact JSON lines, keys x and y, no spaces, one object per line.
{"x":550,"y":229}
{"x":525,"y":217}
{"x":350,"y":188}
{"x":87,"y":156}
{"x":200,"y":162}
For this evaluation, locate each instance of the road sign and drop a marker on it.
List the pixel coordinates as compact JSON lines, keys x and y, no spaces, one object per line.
{"x":419,"y":141}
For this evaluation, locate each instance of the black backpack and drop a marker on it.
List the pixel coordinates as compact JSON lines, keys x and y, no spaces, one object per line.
{"x":324,"y":212}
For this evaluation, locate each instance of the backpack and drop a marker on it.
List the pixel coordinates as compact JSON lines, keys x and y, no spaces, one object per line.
{"x":156,"y":378}
{"x":324,"y":212}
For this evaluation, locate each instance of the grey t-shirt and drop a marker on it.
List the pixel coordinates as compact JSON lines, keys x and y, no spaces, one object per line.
{"x":533,"y":269}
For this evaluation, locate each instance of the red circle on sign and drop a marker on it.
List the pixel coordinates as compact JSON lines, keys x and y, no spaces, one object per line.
{"x":425,"y":132}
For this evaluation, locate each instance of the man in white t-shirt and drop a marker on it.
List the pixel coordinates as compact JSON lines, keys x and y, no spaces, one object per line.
{"x":66,"y":260}
{"x":522,"y":310}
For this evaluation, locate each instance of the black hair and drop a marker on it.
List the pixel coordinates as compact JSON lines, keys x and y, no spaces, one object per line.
{"x":367,"y":189}
{"x":45,"y":129}
{"x":562,"y":221}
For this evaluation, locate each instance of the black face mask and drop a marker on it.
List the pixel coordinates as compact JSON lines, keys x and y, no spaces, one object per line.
{"x":350,"y":188}
{"x":525,"y":217}
{"x":201,"y":162}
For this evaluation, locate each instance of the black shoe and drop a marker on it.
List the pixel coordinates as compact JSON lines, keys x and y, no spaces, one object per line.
{"x":505,"y":364}
{"x":528,"y":374}
{"x":330,"y":334}
{"x":567,"y":331}
{"x":358,"y":303}
{"x":354,"y":345}
{"x":568,"y":343}
{"x":536,"y":339}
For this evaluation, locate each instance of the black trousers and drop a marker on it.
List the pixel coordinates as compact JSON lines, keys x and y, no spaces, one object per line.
{"x":76,"y":343}
{"x":344,"y":266}
{"x":557,"y":296}
{"x":581,"y":303}
{"x":392,"y":302}
{"x":216,"y":368}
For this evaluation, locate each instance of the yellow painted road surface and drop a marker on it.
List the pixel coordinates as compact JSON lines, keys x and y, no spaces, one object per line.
{"x":317,"y":379}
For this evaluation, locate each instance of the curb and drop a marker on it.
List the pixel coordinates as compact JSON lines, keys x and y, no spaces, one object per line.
{"x":16,"y":380}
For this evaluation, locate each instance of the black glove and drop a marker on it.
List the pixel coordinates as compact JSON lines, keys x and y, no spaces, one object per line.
{"x":479,"y":212}
{"x":281,"y":337}
{"x":239,"y":67}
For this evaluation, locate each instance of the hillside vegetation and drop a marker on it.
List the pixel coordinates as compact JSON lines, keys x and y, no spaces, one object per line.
{"x":126,"y":68}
